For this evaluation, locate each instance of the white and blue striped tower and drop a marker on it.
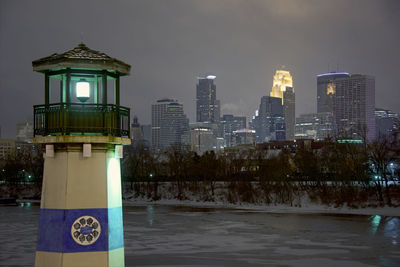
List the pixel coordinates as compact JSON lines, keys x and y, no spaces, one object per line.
{"x":81,"y":207}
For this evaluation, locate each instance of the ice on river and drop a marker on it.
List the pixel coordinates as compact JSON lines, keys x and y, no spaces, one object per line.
{"x":159,"y":235}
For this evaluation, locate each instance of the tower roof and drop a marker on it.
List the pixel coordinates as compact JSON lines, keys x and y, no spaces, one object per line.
{"x":81,"y":57}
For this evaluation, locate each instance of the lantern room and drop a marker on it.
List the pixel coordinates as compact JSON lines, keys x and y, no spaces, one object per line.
{"x":82,"y":95}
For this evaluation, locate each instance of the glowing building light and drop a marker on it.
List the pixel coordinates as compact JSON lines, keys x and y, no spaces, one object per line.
{"x":331,"y":89}
{"x":82,"y":90}
{"x":333,"y":73}
{"x":211,"y":77}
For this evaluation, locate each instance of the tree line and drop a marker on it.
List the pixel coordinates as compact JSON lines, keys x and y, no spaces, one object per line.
{"x":336,"y":174}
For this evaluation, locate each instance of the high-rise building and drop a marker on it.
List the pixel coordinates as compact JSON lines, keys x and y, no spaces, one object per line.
{"x":282,"y":87}
{"x":146,"y":133}
{"x":243,"y":136}
{"x":289,"y":110}
{"x":387,"y":122}
{"x":140,"y":134}
{"x":269,"y":122}
{"x":24,"y":131}
{"x":207,"y":105}
{"x":136,"y":133}
{"x":229,"y":124}
{"x":158,"y":110}
{"x":174,"y":125}
{"x":326,"y":90}
{"x":282,"y":80}
{"x":168,"y":123}
{"x":202,"y":139}
{"x":354,"y":106}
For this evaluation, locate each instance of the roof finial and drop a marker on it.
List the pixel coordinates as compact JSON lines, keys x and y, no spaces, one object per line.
{"x":81,"y":37}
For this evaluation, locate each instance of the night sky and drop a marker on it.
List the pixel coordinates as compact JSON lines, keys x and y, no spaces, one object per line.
{"x":169,"y":43}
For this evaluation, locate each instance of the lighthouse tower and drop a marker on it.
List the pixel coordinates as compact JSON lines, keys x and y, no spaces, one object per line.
{"x":83,"y":128}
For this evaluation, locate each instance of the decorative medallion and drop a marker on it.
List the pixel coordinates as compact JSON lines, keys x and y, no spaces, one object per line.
{"x":85,"y":230}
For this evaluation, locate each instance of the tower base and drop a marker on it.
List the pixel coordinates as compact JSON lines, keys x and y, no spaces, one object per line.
{"x":81,"y":207}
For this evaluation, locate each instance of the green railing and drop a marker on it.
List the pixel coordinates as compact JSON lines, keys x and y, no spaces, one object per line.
{"x":80,"y":119}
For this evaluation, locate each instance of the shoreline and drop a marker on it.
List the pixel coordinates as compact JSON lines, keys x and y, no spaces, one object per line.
{"x":279,"y":209}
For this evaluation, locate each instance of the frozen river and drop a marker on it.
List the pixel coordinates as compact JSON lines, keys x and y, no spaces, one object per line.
{"x":171,"y":236}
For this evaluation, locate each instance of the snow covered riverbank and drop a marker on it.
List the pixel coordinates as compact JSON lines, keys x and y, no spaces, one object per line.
{"x":304,"y":209}
{"x":253,"y":197}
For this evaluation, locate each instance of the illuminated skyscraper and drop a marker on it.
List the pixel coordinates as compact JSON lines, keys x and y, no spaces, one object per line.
{"x":207,"y":105}
{"x":283,"y":88}
{"x":326,"y":90}
{"x":351,"y":100}
{"x":282,"y":80}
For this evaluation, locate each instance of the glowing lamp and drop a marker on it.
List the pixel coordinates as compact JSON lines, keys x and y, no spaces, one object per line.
{"x":82,"y":90}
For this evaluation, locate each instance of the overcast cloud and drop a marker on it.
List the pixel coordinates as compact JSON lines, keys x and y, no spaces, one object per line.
{"x":170,"y":43}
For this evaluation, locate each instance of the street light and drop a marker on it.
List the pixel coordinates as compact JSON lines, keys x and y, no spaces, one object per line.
{"x":82,"y":90}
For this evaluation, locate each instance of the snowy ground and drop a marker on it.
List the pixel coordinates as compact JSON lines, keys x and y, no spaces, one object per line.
{"x":190,"y":234}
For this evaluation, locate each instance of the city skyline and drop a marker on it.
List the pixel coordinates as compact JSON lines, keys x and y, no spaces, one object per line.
{"x":170,"y":44}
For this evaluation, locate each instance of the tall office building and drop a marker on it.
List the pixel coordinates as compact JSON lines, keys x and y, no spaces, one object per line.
{"x":282,"y":80}
{"x":158,"y":110}
{"x":282,"y":87}
{"x":24,"y":131}
{"x":229,"y":124}
{"x":174,"y":126}
{"x":387,"y":122}
{"x":243,"y":137}
{"x":146,"y":133}
{"x":202,"y":138}
{"x":136,"y":133}
{"x":207,"y":105}
{"x":169,"y":123}
{"x":354,"y":106}
{"x":326,"y":90}
{"x":289,"y":110}
{"x":269,"y":122}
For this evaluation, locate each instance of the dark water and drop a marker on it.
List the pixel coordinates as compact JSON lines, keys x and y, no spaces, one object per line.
{"x":165,"y":235}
